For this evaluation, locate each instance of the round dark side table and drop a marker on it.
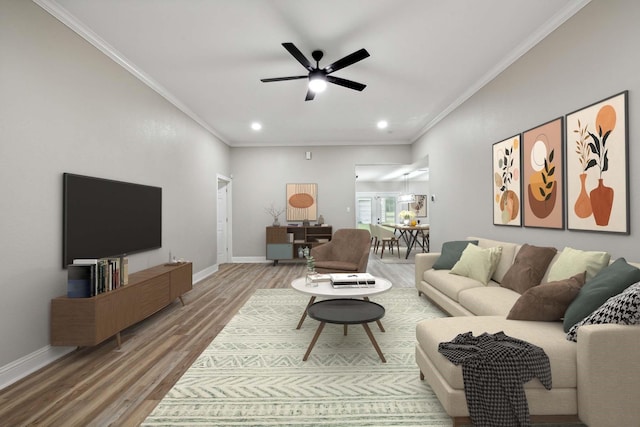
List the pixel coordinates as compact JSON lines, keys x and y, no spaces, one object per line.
{"x":345,"y":312}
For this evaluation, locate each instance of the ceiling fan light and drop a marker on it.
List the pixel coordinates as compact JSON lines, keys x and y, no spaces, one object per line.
{"x":317,"y":84}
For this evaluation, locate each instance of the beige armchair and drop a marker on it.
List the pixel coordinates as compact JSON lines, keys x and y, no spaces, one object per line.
{"x":347,"y":252}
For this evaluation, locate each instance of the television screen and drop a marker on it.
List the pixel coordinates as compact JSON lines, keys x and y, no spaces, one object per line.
{"x":106,"y":218}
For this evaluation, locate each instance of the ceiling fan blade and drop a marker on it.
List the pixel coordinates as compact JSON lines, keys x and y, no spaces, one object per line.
{"x":310,"y":95}
{"x":356,"y":56}
{"x":346,"y":83}
{"x":279,"y":79}
{"x":295,"y":52}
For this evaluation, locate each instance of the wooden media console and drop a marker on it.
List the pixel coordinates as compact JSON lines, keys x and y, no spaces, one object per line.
{"x":90,"y":321}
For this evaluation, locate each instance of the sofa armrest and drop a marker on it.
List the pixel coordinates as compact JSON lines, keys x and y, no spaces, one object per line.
{"x":608,"y":374}
{"x":424,"y":262}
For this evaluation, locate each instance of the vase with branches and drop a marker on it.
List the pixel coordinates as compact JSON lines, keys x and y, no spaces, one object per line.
{"x":582,"y":207}
{"x":275,"y":213}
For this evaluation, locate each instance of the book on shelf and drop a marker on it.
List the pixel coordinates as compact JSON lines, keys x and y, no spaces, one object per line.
{"x":124,"y":271}
{"x":80,"y":280}
{"x":107,"y":274}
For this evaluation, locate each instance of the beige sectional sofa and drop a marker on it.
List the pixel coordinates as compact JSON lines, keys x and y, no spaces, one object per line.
{"x":596,"y":380}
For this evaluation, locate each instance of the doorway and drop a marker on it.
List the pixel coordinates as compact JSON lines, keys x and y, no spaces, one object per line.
{"x":223,"y":222}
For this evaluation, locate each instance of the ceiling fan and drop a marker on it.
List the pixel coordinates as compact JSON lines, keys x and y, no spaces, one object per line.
{"x":318,"y":77}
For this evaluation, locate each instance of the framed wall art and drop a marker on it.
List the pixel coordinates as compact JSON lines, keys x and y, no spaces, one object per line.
{"x":542,"y":176}
{"x":302,"y":202}
{"x":506,"y":182}
{"x":419,"y":207}
{"x":597,"y":166}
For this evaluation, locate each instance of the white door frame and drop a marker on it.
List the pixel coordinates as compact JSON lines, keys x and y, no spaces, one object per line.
{"x":224,"y":219}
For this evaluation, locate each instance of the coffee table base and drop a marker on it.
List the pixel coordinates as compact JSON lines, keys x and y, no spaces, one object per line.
{"x":345,"y":312}
{"x":313,"y":299}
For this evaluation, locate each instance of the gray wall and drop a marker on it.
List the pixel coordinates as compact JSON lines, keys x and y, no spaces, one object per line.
{"x":66,"y":107}
{"x":260,"y":176}
{"x":592,"y":56}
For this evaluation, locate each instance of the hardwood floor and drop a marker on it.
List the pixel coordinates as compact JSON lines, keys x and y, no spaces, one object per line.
{"x":104,"y":385}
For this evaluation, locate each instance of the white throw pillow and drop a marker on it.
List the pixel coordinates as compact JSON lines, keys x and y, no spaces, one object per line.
{"x":574,"y":261}
{"x":478,"y":263}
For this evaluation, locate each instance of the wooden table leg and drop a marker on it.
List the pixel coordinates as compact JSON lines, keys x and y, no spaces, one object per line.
{"x":377,"y":321}
{"x":373,"y":341}
{"x":304,"y":315}
{"x":313,"y":341}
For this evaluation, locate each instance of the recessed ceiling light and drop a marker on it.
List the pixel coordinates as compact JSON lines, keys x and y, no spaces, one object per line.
{"x":256,"y":126}
{"x":382,"y":124}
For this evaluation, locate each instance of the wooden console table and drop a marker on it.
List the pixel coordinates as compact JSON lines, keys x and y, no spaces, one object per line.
{"x":90,"y":321}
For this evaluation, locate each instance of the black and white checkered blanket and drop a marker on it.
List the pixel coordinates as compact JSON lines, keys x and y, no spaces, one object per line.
{"x":494,"y":369}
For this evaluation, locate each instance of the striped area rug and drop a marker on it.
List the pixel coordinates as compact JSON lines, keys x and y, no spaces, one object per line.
{"x":252,"y":374}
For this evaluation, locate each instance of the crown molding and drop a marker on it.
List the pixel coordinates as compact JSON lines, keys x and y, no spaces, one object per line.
{"x":551,"y":25}
{"x":62,"y":15}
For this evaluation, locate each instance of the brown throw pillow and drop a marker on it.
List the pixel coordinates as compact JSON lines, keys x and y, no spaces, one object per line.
{"x":548,"y":301}
{"x":528,"y":268}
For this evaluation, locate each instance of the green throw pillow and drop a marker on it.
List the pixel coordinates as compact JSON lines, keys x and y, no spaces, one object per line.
{"x":478,"y":263}
{"x":608,"y":282}
{"x":450,"y":254}
{"x":573,"y":261}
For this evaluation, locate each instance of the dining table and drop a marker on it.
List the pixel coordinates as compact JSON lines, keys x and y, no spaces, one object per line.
{"x":413,"y":235}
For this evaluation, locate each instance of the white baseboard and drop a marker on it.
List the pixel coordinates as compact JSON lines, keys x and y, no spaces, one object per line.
{"x":250,"y":260}
{"x":30,"y":363}
{"x":203,"y":274}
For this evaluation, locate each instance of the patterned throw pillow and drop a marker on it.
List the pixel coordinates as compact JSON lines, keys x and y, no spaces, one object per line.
{"x":623,"y":309}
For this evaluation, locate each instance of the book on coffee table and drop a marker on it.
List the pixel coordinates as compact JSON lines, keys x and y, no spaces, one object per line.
{"x":352,"y":279}
{"x":319,"y":277}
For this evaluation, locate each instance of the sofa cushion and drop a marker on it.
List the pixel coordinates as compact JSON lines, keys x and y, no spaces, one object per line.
{"x":528,"y":268}
{"x":478,"y":263}
{"x":449,"y":284}
{"x":506,"y":259}
{"x":547,"y":335}
{"x":450,"y":254}
{"x":492,"y":300}
{"x":610,"y":281}
{"x":548,"y":301}
{"x":573,"y":261}
{"x":623,"y":308}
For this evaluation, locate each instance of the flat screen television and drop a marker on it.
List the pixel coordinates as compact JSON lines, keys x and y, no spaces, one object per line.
{"x":106,"y":218}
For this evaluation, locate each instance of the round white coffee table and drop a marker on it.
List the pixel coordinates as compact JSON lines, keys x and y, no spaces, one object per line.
{"x":326,"y":290}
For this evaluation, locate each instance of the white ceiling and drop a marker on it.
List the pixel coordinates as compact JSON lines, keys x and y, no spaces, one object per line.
{"x":208,"y":56}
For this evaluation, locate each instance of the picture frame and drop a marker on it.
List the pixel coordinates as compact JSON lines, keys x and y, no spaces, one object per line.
{"x":506,"y":160}
{"x":543,"y":175}
{"x":597,"y":166}
{"x":419,"y":207}
{"x":302,"y":202}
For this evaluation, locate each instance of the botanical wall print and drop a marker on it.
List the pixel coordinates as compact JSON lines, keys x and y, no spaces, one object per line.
{"x":597,"y":166}
{"x":542,"y":176}
{"x":506,"y":182}
{"x":302,"y":202}
{"x":419,"y":207}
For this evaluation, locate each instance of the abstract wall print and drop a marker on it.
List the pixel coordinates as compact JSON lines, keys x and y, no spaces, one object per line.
{"x":302,"y":202}
{"x":419,"y":207}
{"x":597,"y":166}
{"x":542,"y":176}
{"x":506,"y":182}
